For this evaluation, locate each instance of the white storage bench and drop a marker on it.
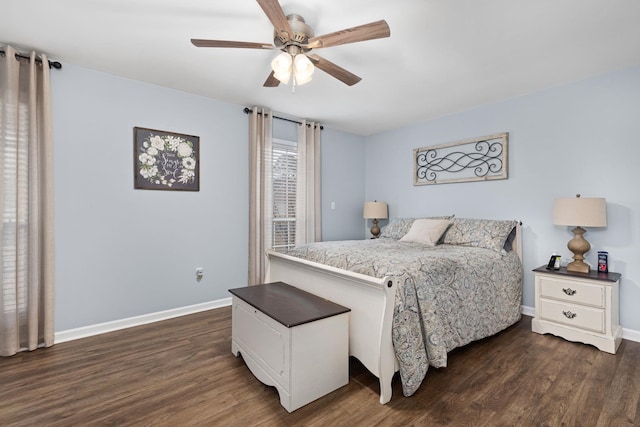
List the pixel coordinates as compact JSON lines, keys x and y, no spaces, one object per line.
{"x":292,"y":340}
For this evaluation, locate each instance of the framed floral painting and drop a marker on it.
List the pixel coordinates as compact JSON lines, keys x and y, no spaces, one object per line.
{"x":165,"y":160}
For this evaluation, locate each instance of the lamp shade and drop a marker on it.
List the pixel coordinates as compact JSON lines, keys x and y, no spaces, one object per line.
{"x":281,"y":66}
{"x":580,"y":211}
{"x":375,"y":210}
{"x":302,"y":69}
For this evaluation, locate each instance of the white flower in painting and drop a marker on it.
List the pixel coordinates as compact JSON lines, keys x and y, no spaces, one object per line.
{"x":157,"y":142}
{"x":173,"y":142}
{"x":149,"y":172}
{"x":163,"y":150}
{"x":184,"y":150}
{"x":189,"y":162}
{"x":187,"y":176}
{"x":146,"y":159}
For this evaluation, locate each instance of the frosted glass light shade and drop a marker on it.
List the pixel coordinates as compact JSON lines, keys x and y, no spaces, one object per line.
{"x":302,"y":69}
{"x":282,"y":67}
{"x":375,"y":210}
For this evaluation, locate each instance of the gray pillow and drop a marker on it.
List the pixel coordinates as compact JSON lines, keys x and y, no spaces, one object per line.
{"x":482,"y":233}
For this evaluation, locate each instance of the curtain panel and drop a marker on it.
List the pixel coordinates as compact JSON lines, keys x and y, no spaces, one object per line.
{"x":260,"y":146}
{"x":26,"y":203}
{"x":308,"y":204}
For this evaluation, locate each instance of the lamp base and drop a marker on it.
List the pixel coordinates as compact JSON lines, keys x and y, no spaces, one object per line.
{"x":375,"y":229}
{"x":579,"y":246}
{"x":578,"y":267}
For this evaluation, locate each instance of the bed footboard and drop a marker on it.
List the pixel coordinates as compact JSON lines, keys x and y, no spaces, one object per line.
{"x":371,"y":301}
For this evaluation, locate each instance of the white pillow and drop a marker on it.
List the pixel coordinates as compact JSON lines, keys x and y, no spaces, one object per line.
{"x":426,"y":231}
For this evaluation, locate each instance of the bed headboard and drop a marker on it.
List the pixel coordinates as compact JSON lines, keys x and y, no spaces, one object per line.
{"x":516,"y":245}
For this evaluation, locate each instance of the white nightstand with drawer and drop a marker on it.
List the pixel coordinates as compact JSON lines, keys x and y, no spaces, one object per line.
{"x":578,"y":307}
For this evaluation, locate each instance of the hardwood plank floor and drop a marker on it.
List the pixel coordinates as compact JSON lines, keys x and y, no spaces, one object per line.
{"x":181,"y":372}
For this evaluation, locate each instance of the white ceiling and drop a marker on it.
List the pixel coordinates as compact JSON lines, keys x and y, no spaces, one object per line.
{"x":443,"y":56}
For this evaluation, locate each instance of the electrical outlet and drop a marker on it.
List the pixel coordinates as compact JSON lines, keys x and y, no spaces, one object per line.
{"x":199,"y":273}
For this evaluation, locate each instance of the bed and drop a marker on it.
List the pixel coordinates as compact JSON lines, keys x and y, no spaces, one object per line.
{"x":414,"y":299}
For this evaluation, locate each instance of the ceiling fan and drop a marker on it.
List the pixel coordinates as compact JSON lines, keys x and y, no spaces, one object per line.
{"x":296,"y":40}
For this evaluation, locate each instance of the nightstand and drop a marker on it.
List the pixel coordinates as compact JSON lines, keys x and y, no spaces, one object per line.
{"x":578,"y":307}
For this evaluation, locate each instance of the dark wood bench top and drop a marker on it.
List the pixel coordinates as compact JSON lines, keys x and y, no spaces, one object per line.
{"x":286,"y":304}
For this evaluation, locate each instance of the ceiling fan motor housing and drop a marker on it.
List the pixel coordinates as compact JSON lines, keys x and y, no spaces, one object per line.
{"x":301,"y":35}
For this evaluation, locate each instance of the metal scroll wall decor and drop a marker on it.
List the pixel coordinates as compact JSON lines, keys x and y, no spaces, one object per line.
{"x":473,"y":159}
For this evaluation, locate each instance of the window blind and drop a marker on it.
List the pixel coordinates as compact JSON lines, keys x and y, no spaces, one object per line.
{"x":284,"y":191}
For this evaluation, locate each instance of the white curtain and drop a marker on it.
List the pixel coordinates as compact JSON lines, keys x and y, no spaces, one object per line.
{"x":308,"y":204}
{"x":260,"y":212}
{"x":26,"y":203}
{"x":308,"y":207}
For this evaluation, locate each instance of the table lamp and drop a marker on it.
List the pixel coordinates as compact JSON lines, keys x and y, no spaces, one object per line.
{"x":579,"y":212}
{"x":375,"y":210}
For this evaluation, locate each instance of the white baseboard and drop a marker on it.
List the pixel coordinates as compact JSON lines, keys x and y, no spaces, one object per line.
{"x":631,"y":335}
{"x":627,"y":334}
{"x":101,"y":328}
{"x":528,"y":311}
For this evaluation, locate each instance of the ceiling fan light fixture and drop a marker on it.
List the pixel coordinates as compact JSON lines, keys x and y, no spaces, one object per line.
{"x":302,"y":69}
{"x":281,"y":66}
{"x":302,"y":80}
{"x":284,"y":78}
{"x":295,"y":38}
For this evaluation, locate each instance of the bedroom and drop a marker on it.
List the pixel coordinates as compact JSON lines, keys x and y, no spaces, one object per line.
{"x":111,"y":239}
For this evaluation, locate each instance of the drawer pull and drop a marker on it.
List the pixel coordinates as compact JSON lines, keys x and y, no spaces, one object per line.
{"x":569,"y":315}
{"x":569,"y":291}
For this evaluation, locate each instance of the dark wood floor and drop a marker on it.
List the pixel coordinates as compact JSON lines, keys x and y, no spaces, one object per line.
{"x":181,"y":372}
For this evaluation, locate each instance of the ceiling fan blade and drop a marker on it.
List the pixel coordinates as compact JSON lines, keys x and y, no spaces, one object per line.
{"x":225,"y":43}
{"x":276,"y":15}
{"x":334,"y":70}
{"x":271,"y":81}
{"x":371,"y":31}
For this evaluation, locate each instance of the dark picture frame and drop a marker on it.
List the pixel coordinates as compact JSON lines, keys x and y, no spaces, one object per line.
{"x":165,"y":160}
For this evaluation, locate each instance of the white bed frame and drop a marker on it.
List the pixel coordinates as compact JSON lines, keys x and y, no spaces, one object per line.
{"x":370,"y":299}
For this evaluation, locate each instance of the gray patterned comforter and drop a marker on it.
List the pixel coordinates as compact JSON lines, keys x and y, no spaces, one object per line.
{"x":448,"y":295}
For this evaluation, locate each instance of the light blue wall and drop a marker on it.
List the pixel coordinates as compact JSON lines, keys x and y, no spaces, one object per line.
{"x":122,"y":252}
{"x":578,"y":138}
{"x":342,"y":180}
{"x":343,"y":173}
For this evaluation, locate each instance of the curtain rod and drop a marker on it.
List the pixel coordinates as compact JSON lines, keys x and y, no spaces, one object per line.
{"x":249,"y":110}
{"x":52,"y":64}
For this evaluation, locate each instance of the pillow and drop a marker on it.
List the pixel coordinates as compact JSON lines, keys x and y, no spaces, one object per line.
{"x":427,"y":231}
{"x":398,"y":227}
{"x":508,"y":244}
{"x":481,"y":233}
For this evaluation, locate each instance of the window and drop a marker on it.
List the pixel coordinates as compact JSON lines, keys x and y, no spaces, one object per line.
{"x":14,"y":219}
{"x":284,"y":164}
